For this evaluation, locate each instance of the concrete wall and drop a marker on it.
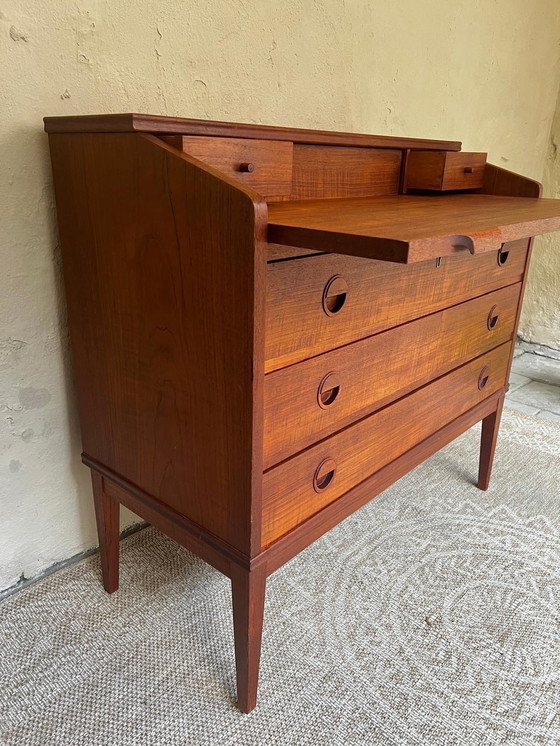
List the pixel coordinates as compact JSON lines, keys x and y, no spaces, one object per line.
{"x":483,"y":71}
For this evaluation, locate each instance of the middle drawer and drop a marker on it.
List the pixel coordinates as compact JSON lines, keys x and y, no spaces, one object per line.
{"x":306,"y":402}
{"x":296,"y":489}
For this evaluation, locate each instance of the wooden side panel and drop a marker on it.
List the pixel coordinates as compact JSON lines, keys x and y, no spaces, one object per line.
{"x":301,"y":486}
{"x":164,"y":266}
{"x":506,"y":183}
{"x":306,"y":402}
{"x":178,"y":528}
{"x":330,"y":172}
{"x":377,"y":296}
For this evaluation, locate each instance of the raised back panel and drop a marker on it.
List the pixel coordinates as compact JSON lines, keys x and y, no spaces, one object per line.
{"x":327,"y":171}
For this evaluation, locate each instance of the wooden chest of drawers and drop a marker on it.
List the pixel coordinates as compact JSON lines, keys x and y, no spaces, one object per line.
{"x":270,"y":326}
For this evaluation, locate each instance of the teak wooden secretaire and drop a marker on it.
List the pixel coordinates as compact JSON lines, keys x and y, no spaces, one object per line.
{"x":269,"y":326}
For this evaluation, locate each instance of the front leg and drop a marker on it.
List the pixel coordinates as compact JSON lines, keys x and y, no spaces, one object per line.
{"x":108,"y":531}
{"x":489,"y":436}
{"x":248,"y":594}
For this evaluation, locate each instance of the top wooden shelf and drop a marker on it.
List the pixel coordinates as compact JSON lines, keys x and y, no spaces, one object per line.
{"x":409,"y":228}
{"x":159,"y":125}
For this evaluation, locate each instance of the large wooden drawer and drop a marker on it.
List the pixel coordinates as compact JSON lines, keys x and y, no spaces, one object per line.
{"x":302,"y":485}
{"x":321,"y":302}
{"x":306,"y":402}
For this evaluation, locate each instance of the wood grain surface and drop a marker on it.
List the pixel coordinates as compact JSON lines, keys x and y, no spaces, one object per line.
{"x":368,"y":374}
{"x":380,"y":295}
{"x":194,"y":538}
{"x":107,"y":512}
{"x":330,"y":172}
{"x":500,"y":181}
{"x":304,"y":534}
{"x":409,"y":228}
{"x":488,"y":442}
{"x":249,"y":375}
{"x":162,"y":125}
{"x":268,"y":164}
{"x":164,"y":274}
{"x":248,"y":595}
{"x":444,"y":171}
{"x":289,"y":497}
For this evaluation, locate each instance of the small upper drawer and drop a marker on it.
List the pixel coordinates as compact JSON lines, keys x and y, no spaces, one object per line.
{"x":444,"y":171}
{"x":264,"y":165}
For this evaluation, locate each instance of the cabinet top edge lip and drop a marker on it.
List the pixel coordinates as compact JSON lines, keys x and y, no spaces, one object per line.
{"x":155,"y":124}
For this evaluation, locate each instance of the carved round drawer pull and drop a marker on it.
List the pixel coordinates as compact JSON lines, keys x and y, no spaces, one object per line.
{"x":502,"y":256}
{"x":324,"y":475}
{"x":492,"y":320}
{"x":246,"y":168}
{"x":334,"y":295}
{"x":328,"y":390}
{"x":483,"y":377}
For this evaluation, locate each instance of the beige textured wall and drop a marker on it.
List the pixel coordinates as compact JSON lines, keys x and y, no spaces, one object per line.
{"x":484,"y":71}
{"x":540,"y":321}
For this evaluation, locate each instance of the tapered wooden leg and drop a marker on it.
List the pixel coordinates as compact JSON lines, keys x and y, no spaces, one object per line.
{"x":248,"y":593}
{"x":490,"y":427}
{"x":107,"y":517}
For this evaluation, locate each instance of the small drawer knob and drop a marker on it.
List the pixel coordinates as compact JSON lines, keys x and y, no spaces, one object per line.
{"x":324,"y":475}
{"x":246,"y":168}
{"x":468,"y":170}
{"x":328,"y":390}
{"x":483,"y":377}
{"x":502,"y":256}
{"x":492,"y":320}
{"x":334,"y":295}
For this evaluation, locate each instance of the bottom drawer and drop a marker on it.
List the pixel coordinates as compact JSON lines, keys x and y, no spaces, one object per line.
{"x":301,"y":486}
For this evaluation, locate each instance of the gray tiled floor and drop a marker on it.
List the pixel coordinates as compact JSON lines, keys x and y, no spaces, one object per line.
{"x":534,"y":384}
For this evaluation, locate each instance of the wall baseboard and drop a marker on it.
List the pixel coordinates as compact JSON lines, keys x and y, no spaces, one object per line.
{"x":24,"y":582}
{"x":533,"y":348}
